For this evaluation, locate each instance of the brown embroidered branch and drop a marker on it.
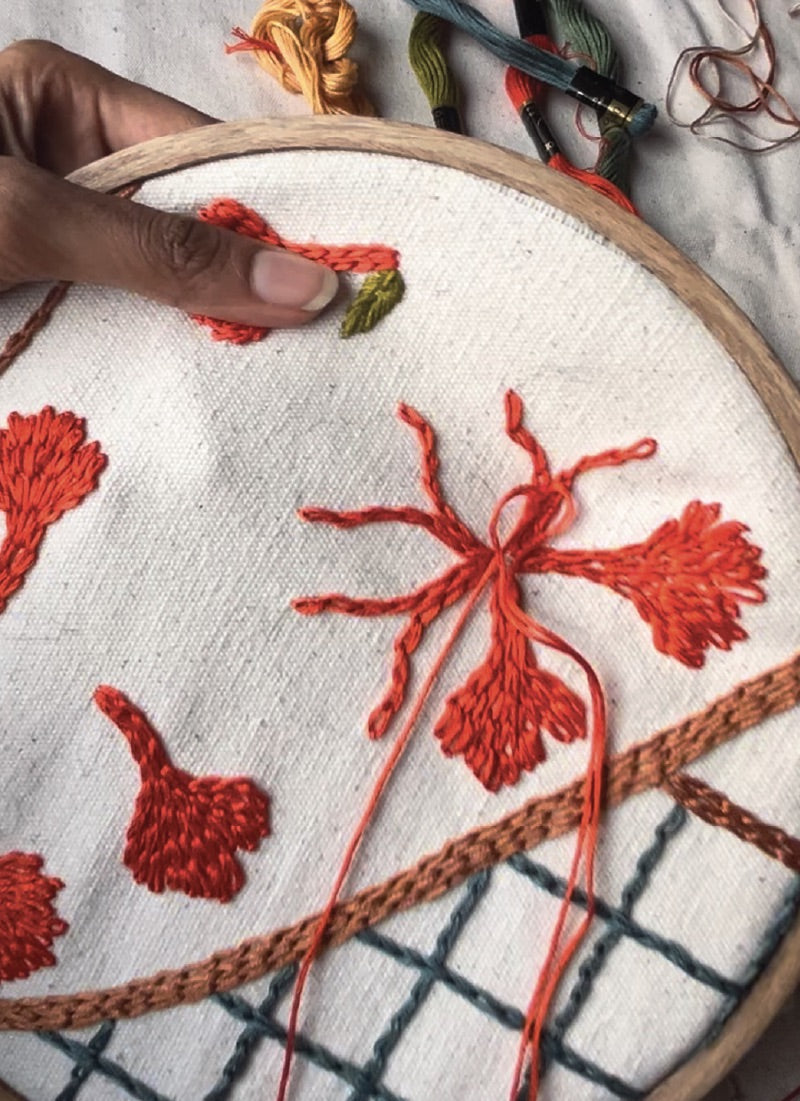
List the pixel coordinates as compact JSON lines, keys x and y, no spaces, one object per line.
{"x":16,"y":344}
{"x":642,"y":767}
{"x":718,"y":810}
{"x":19,"y":341}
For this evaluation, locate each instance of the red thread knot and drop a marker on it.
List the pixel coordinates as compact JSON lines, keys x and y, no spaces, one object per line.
{"x":687,"y":580}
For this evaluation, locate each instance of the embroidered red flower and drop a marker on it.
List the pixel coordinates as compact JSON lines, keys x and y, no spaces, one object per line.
{"x":28,"y":921}
{"x":688,"y":581}
{"x":185,"y":830}
{"x":46,"y":469}
{"x":379,"y":293}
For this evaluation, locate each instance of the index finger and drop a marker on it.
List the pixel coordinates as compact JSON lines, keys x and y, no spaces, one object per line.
{"x":62,"y":111}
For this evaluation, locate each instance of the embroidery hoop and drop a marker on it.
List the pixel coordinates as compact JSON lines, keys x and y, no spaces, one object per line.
{"x":726,"y":323}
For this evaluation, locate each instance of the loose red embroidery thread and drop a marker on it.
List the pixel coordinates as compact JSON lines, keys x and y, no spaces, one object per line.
{"x":185,"y":830}
{"x":687,"y":581}
{"x":28,"y":921}
{"x":360,"y":259}
{"x":495,"y":720}
{"x":46,"y":469}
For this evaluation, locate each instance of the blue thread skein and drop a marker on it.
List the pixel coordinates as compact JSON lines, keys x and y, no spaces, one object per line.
{"x":540,"y":64}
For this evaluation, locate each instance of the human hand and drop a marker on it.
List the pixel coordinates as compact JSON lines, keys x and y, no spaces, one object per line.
{"x":59,"y":111}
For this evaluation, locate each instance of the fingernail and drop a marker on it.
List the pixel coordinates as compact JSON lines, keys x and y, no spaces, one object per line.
{"x":282,"y":279}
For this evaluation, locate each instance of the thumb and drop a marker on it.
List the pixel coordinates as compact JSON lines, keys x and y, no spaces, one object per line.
{"x":52,"y":229}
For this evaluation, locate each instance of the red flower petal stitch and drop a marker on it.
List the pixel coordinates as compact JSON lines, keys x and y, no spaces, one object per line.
{"x":28,"y":921}
{"x":185,"y":830}
{"x":379,"y":293}
{"x":687,"y":580}
{"x":46,"y":469}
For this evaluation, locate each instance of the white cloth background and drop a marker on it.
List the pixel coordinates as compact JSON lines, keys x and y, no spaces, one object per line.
{"x":226,"y":445}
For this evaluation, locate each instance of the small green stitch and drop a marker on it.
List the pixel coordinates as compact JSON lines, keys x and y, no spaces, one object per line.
{"x":378,"y":295}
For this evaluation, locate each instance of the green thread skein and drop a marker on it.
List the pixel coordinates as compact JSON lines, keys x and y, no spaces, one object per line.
{"x":432,"y":71}
{"x":588,"y":37}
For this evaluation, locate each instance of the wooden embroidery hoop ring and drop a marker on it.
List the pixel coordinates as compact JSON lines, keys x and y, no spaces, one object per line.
{"x":698,"y":292}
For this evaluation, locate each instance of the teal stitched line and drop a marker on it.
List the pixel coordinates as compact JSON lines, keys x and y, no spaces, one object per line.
{"x":392,"y":1034}
{"x":314,"y":1052}
{"x":591,"y":967}
{"x":250,"y":1035}
{"x":507,"y":1015}
{"x":81,"y":1072}
{"x":669,"y":949}
{"x":81,"y":1056}
{"x":766,"y":950}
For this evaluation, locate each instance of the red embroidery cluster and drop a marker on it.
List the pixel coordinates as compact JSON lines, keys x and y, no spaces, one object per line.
{"x":28,"y":921}
{"x":233,"y":215}
{"x":46,"y":469}
{"x":688,"y":581}
{"x":185,"y":831}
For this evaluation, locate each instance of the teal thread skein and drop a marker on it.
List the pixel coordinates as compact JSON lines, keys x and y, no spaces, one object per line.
{"x":588,"y":36}
{"x":539,"y":64}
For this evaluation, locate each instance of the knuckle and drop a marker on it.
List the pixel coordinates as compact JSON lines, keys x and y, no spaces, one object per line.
{"x":31,"y":53}
{"x":189,"y":251}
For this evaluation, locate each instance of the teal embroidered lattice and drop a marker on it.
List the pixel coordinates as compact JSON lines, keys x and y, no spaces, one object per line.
{"x":260,"y":1022}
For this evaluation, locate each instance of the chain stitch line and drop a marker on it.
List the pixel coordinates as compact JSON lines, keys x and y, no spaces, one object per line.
{"x":642,"y":767}
{"x":378,"y":295}
{"x":712,"y":806}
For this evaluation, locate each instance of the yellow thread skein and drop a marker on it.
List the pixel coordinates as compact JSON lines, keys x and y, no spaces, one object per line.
{"x":313,"y":37}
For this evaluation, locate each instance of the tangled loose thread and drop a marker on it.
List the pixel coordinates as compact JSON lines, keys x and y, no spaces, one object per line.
{"x":687,"y":580}
{"x":698,"y":63}
{"x":590,"y":37}
{"x":540,"y":64}
{"x":437,"y":80}
{"x":303,"y":44}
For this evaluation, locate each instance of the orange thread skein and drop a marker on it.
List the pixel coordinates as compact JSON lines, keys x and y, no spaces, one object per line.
{"x":303,"y":44}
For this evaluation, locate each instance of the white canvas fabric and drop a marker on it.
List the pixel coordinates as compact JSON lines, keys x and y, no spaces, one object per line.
{"x":172,"y":582}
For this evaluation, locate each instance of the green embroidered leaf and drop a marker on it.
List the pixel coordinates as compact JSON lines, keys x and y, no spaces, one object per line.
{"x":378,"y":295}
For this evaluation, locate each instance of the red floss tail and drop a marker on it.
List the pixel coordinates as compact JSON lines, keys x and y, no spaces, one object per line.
{"x":558,"y":954}
{"x":593,"y":180}
{"x":248,"y":43}
{"x":361,"y":828}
